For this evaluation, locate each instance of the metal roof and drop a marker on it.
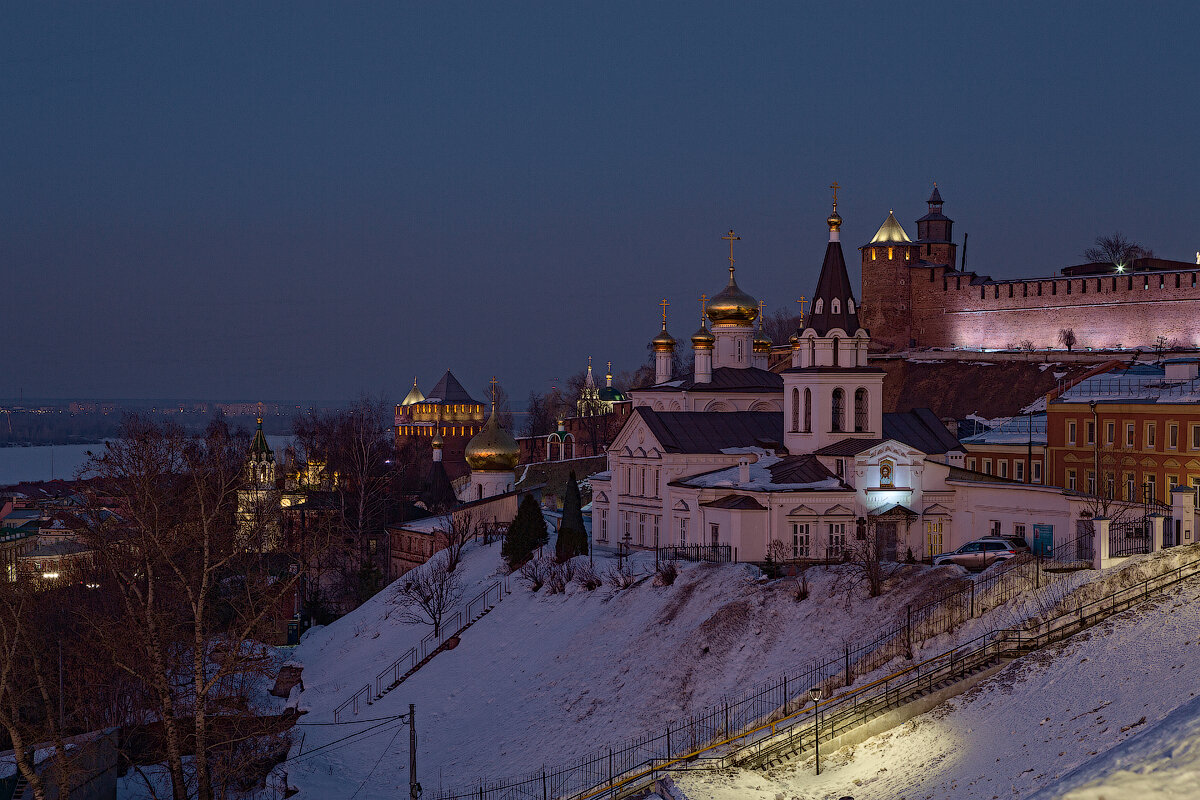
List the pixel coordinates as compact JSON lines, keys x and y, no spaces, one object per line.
{"x":737,"y":502}
{"x":713,"y":431}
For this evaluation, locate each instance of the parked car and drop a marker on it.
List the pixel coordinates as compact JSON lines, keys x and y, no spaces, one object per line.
{"x":981,"y":553}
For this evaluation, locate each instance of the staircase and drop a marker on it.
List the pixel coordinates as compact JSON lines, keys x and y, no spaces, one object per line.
{"x":414,"y":658}
{"x":20,"y":787}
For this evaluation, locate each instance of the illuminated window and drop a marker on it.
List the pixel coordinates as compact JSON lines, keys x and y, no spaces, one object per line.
{"x":890,"y":253}
{"x":933,"y":536}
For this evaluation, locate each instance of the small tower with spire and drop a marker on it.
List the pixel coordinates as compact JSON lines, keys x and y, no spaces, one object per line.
{"x":732,"y":313}
{"x":702,"y":347}
{"x":589,"y":404}
{"x":492,"y":455}
{"x":664,"y":349}
{"x":830,"y":392}
{"x":934,"y":234}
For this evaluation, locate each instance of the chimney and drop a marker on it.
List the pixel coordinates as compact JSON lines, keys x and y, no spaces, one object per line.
{"x":743,"y":470}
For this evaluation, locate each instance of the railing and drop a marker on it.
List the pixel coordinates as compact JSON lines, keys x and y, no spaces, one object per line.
{"x":1078,"y":551}
{"x":714,"y":553}
{"x":356,"y":700}
{"x":1129,"y":538}
{"x":449,"y":628}
{"x":717,"y":736}
{"x":756,"y":708}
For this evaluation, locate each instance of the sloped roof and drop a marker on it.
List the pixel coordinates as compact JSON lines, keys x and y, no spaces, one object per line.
{"x":891,"y":232}
{"x":834,"y":283}
{"x":799,"y":469}
{"x":737,"y":502}
{"x":713,"y":431}
{"x":439,"y":493}
{"x":936,"y":197}
{"x":919,"y":428}
{"x":449,"y":390}
{"x":728,"y":379}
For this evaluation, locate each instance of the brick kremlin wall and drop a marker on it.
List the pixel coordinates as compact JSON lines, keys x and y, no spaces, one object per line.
{"x":1104,"y":311}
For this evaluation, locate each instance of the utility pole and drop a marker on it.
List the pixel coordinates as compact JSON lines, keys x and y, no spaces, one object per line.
{"x":414,"y":788}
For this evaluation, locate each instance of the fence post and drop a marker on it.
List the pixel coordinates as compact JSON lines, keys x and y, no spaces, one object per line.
{"x":785,"y":695}
{"x":610,"y":775}
{"x":668,"y":741}
{"x":972,"y":600}
{"x":908,"y":633}
{"x":545,"y":794}
{"x":1100,"y":547}
{"x":847,"y":664}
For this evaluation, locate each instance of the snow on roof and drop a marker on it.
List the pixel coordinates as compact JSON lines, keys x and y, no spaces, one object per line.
{"x":769,"y":474}
{"x":1014,"y":430}
{"x":1140,"y":383}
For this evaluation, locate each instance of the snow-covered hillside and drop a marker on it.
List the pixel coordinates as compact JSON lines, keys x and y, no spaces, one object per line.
{"x":1031,"y":724}
{"x":547,"y":678}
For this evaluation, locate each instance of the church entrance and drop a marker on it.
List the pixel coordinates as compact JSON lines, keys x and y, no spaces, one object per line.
{"x":887,"y":536}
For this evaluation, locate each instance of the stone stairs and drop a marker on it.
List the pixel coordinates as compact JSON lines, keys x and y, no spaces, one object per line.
{"x":450,"y":643}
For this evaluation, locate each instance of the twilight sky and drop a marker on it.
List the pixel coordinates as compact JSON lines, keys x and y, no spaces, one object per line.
{"x":302,"y":201}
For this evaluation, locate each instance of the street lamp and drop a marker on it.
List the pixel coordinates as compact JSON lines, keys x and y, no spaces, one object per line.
{"x":814,"y":694}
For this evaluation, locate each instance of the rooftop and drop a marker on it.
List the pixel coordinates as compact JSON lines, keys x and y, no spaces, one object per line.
{"x":1140,"y":383}
{"x":713,"y":431}
{"x":770,"y":473}
{"x":1014,"y":430}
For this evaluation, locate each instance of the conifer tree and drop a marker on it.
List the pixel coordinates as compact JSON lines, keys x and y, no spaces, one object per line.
{"x":526,"y":534}
{"x":572,"y":535}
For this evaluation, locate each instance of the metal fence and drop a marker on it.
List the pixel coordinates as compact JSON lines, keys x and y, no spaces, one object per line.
{"x":714,"y":553}
{"x":1129,"y":538}
{"x":775,"y":699}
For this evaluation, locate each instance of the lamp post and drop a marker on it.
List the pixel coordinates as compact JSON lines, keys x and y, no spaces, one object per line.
{"x":814,"y":694}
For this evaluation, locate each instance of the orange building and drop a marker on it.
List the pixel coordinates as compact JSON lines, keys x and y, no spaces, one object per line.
{"x":1015,"y":449}
{"x":1132,"y":433}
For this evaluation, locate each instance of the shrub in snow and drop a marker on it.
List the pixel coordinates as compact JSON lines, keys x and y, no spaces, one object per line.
{"x":666,"y":573}
{"x":586,"y":576}
{"x":560,"y":575}
{"x":621,"y":576}
{"x":535,"y":572}
{"x":800,"y":590}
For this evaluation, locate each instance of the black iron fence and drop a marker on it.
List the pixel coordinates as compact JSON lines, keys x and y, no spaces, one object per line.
{"x":714,"y":553}
{"x":1129,"y":538}
{"x":945,"y":612}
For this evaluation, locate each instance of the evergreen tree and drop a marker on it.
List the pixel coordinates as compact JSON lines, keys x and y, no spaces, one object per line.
{"x":526,"y":534}
{"x":572,"y":535}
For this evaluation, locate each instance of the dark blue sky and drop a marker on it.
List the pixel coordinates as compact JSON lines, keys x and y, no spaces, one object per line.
{"x":302,"y":201}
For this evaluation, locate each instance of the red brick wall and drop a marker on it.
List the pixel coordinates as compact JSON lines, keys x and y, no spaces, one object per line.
{"x":949,"y":310}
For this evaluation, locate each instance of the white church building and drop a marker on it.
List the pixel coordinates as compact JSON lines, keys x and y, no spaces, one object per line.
{"x":735,"y":454}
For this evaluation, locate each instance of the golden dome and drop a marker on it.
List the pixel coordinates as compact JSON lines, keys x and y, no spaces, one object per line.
{"x":761,"y":343}
{"x":732,"y":306}
{"x":664,"y":342}
{"x":834,"y":220}
{"x":794,"y":340}
{"x":492,"y":449}
{"x":703,"y":338}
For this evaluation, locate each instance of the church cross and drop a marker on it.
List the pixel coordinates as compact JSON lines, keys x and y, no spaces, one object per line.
{"x":802,"y":301}
{"x":664,"y":305}
{"x":731,"y":237}
{"x":835,"y":187}
{"x":703,"y":307}
{"x":493,"y":394}
{"x":609,"y":367}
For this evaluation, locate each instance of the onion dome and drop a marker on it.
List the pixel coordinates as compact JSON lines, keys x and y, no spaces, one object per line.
{"x":664,"y":342}
{"x":890,"y":232}
{"x":794,"y":340}
{"x":834,"y":220}
{"x":732,"y":306}
{"x":761,"y":343}
{"x":703,"y":338}
{"x":414,"y":395}
{"x":492,"y":449}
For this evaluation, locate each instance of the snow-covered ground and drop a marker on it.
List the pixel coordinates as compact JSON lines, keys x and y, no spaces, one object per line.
{"x":1114,"y":686}
{"x":544,"y":679}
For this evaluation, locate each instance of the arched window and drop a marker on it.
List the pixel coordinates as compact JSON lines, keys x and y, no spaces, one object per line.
{"x":819,"y":306}
{"x":850,"y":303}
{"x":835,"y":306}
{"x":838,"y":421}
{"x":812,"y":352}
{"x":796,"y":410}
{"x":739,"y":351}
{"x":836,"y":342}
{"x":808,"y":410}
{"x":860,"y":410}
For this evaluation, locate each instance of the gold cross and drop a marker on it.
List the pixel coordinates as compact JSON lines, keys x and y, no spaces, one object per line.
{"x":703,"y":307}
{"x":493,"y":394}
{"x":589,"y":362}
{"x":835,"y":187}
{"x":802,"y":301}
{"x":664,"y":305}
{"x":609,"y":367}
{"x":731,"y":237}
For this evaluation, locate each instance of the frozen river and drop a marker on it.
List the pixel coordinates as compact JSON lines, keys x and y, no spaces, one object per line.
{"x":64,"y":460}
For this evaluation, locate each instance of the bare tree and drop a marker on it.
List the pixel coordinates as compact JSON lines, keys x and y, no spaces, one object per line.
{"x":426,"y":594}
{"x":1116,"y":250}
{"x":459,"y":528}
{"x":780,"y":325}
{"x":867,"y":553}
{"x":193,"y":601}
{"x":1066,"y":337}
